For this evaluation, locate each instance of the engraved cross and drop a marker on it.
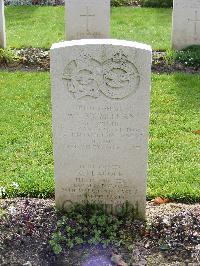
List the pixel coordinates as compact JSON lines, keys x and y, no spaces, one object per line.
{"x":195,"y":20}
{"x":87,"y":15}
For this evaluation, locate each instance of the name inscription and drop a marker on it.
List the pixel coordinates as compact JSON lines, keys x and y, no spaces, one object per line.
{"x":102,"y":128}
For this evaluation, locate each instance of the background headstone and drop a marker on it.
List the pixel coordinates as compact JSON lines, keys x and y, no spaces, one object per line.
{"x":87,"y":19}
{"x":100,"y":97}
{"x":2,"y":26}
{"x":186,"y":23}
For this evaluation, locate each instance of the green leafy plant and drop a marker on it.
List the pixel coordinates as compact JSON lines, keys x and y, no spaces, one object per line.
{"x":157,"y":3}
{"x":86,"y":224}
{"x":123,"y":2}
{"x":170,"y":57}
{"x":189,"y":56}
{"x":8,"y":56}
{"x":55,"y":241}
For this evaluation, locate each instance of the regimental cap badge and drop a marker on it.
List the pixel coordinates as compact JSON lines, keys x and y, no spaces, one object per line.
{"x":119,"y":57}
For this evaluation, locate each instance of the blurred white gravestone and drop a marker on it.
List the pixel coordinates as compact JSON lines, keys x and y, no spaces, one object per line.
{"x":87,"y":19}
{"x":2,"y":26}
{"x":101,"y":98}
{"x":186,"y":23}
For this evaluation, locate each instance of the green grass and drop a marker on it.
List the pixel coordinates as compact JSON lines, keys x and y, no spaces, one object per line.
{"x":34,"y":26}
{"x":25,"y":133}
{"x":26,"y":146}
{"x":147,"y":25}
{"x":174,"y":155}
{"x":42,"y":26}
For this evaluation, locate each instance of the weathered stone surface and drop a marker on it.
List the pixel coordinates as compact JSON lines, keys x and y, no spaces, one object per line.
{"x":87,"y":19}
{"x":186,"y":23}
{"x":2,"y":26}
{"x":100,"y":97}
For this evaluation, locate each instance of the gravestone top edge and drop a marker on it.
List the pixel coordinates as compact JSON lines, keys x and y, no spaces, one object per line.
{"x":114,"y":42}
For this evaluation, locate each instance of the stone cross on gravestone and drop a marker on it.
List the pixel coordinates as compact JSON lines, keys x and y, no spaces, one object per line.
{"x":196,"y":21}
{"x":186,"y":18}
{"x":87,"y":16}
{"x":2,"y":26}
{"x":87,"y":19}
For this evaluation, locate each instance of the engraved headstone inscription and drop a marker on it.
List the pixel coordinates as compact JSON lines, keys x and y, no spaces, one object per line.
{"x":87,"y":19}
{"x":186,"y":23}
{"x":2,"y":26}
{"x":100,"y":99}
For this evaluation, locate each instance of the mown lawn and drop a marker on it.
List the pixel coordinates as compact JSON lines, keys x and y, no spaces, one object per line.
{"x":26,"y":146}
{"x":25,"y":133}
{"x":42,"y":26}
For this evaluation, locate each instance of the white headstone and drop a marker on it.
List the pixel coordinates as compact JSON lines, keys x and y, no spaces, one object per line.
{"x":2,"y":26}
{"x":87,"y":19}
{"x":100,"y":97}
{"x":186,"y":23}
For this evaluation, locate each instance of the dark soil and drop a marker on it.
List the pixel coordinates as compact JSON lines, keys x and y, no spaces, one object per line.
{"x":36,"y":59}
{"x":26,"y":225}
